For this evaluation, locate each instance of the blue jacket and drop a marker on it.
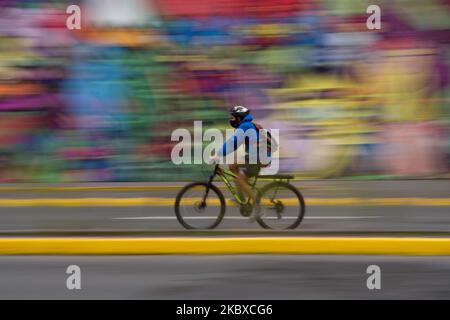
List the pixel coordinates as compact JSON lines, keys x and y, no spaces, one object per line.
{"x":238,"y":137}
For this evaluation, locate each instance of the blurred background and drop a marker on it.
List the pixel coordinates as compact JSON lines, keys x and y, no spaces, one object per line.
{"x":100,"y":103}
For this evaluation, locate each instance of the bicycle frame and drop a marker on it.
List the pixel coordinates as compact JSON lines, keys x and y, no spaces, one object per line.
{"x":226,"y":175}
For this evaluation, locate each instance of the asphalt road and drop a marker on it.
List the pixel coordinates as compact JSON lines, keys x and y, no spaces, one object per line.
{"x":230,"y":276}
{"x":318,"y":219}
{"x":224,"y":277}
{"x":162,"y":219}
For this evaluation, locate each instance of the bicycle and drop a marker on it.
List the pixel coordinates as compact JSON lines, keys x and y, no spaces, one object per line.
{"x":272,"y":208}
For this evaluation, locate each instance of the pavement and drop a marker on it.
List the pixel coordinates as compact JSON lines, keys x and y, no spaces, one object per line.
{"x":234,"y":277}
{"x":326,"y":188}
{"x":388,"y":219}
{"x":396,"y":212}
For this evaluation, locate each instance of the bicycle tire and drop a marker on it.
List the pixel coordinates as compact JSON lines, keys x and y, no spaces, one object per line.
{"x":212,"y":187}
{"x":289,"y":186}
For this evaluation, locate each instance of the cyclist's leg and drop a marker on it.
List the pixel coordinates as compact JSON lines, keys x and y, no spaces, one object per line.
{"x":242,"y":181}
{"x":252,"y":170}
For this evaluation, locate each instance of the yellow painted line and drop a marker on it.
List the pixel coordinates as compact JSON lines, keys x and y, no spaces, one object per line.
{"x":379,"y":201}
{"x":80,"y":202}
{"x":155,"y":201}
{"x":267,"y":245}
{"x":82,"y":189}
{"x":113,"y":188}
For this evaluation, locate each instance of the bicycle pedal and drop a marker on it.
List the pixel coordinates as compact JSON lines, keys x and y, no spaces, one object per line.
{"x":246,"y":210}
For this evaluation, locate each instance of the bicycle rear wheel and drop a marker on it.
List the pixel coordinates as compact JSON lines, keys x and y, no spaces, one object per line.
{"x":194,"y":211}
{"x":281,"y":206}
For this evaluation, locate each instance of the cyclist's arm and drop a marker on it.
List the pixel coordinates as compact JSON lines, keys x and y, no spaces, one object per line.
{"x":232,"y":143}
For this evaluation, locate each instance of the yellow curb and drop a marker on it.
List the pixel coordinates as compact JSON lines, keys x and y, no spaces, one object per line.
{"x":154,"y":201}
{"x":275,"y":245}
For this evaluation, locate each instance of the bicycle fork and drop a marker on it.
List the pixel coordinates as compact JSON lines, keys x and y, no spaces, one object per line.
{"x":208,"y":186}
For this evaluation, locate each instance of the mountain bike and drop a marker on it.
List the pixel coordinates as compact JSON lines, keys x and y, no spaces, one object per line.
{"x":201,"y":205}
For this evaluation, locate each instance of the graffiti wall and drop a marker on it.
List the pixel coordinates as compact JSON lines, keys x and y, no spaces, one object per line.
{"x":100,"y":103}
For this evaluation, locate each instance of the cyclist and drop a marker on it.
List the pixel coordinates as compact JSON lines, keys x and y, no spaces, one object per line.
{"x":247,"y":130}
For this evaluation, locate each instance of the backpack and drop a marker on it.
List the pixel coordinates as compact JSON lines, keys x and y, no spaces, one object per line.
{"x":272,"y":143}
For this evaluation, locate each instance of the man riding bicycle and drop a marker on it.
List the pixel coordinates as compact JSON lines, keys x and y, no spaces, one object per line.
{"x":247,"y":132}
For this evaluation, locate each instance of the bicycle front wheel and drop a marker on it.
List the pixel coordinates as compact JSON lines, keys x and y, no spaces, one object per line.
{"x":196,"y":210}
{"x":281,"y":206}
